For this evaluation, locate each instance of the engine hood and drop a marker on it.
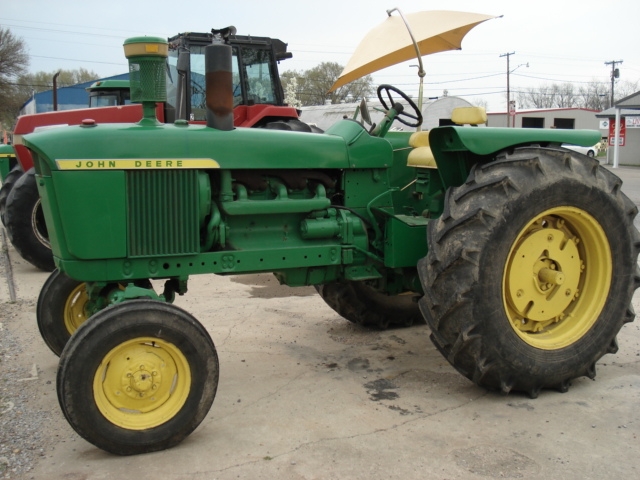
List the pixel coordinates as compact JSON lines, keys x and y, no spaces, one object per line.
{"x":128,"y":146}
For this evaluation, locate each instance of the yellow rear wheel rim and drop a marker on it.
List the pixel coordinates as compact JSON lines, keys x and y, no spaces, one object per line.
{"x":75,"y":313}
{"x":557,"y":278}
{"x":142,"y":383}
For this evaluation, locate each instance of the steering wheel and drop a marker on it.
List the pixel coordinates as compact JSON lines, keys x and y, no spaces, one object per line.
{"x":417,"y":116}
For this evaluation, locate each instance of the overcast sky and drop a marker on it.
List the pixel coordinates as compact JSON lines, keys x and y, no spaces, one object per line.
{"x":561,"y":40}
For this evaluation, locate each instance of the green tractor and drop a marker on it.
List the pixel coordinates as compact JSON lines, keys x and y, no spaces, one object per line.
{"x":520,"y":255}
{"x":258,"y":100}
{"x":8,"y":174}
{"x":108,"y":93}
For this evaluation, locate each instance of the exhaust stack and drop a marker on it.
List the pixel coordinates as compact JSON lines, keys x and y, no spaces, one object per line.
{"x":147,"y":57}
{"x":217,"y":64}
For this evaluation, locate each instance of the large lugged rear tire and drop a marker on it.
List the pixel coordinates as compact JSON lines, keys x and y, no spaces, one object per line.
{"x":25,"y":223}
{"x":530,"y":271}
{"x":137,"y":377}
{"x":361,"y":304}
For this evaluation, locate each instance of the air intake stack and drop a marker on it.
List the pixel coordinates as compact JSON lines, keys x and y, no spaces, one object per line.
{"x":147,"y":57}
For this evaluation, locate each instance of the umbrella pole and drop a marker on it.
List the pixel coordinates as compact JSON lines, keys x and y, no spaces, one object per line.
{"x":421,"y":72}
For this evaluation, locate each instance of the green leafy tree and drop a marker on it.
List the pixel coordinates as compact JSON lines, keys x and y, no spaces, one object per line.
{"x":41,"y":81}
{"x":313,"y":85}
{"x":29,"y":83}
{"x":14,"y":61}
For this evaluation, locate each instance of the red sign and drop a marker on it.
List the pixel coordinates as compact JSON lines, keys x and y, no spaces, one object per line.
{"x":612,"y":133}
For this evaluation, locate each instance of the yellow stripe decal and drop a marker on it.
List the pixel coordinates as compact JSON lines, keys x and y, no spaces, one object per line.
{"x":139,"y":164}
{"x":7,"y":154}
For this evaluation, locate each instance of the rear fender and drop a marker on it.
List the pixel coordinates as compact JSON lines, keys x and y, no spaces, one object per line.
{"x":457,"y":149}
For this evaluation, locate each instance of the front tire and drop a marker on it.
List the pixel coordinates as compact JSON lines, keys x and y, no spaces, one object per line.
{"x":25,"y":223}
{"x":137,"y":377}
{"x":530,"y":271}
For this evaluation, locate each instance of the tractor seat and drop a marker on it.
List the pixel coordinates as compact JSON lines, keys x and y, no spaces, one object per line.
{"x":469,"y":116}
{"x":421,"y":156}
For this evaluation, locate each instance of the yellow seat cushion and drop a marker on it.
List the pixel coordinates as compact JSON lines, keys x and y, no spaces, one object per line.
{"x":421,"y":157}
{"x":419,"y":139}
{"x":469,"y":115}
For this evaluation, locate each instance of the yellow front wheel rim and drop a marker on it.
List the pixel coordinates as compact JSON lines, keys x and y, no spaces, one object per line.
{"x":142,"y":383}
{"x":75,"y":313}
{"x":557,"y":278}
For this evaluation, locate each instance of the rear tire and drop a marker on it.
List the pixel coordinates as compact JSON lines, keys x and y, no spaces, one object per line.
{"x":7,"y":185}
{"x":61,"y":309}
{"x":361,"y":304}
{"x":25,"y":223}
{"x":293,"y":125}
{"x":513,"y":300}
{"x":138,"y":377}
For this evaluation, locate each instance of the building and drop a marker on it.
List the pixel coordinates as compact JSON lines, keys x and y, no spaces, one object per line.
{"x":435,"y":113}
{"x":569,"y":118}
{"x":627,"y":111}
{"x":69,"y":98}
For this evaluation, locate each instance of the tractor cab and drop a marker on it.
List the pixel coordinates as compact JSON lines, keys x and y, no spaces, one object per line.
{"x":109,"y":93}
{"x":256,"y":84}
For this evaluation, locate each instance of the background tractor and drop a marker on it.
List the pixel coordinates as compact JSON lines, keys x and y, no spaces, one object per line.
{"x":520,"y":255}
{"x":109,"y":93}
{"x":258,"y":101}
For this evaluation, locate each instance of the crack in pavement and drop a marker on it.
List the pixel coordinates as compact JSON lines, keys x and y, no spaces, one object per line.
{"x":346,"y":437}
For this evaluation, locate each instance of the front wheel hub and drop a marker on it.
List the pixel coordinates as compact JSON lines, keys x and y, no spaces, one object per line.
{"x":142,"y":383}
{"x":145,"y":380}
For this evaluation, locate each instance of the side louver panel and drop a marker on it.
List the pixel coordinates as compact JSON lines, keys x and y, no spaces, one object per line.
{"x":163,"y":212}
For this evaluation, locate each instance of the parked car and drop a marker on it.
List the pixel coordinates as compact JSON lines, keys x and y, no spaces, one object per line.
{"x":588,"y":151}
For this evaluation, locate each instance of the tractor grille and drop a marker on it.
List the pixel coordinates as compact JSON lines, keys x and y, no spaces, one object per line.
{"x":163,"y":212}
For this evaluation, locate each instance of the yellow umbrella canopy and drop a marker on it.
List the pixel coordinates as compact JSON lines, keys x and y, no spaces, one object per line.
{"x":390,"y":42}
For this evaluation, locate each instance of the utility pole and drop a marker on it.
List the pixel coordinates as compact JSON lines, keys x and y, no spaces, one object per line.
{"x":508,"y":90}
{"x":615,"y":73}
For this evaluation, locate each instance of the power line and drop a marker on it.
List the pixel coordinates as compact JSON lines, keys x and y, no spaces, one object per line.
{"x":65,"y":31}
{"x":123,"y":63}
{"x":92,"y":28}
{"x":549,"y":79}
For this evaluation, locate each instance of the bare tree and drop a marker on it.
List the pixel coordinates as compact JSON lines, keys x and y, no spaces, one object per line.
{"x":594,"y":95}
{"x":626,"y":88}
{"x":480,"y":102}
{"x":565,"y":95}
{"x":14,"y":61}
{"x":537,"y":97}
